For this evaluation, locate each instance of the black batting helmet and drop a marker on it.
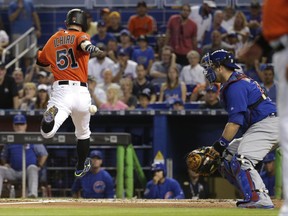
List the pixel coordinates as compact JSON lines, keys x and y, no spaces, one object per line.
{"x":77,"y":17}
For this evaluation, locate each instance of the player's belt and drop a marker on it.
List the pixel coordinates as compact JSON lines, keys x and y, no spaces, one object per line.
{"x":280,"y":43}
{"x":67,"y":82}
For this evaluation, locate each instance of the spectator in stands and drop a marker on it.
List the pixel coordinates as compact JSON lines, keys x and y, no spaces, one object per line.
{"x":198,"y":93}
{"x":91,"y":25}
{"x":11,"y":159}
{"x":159,"y":69}
{"x":177,"y":105}
{"x":216,"y":43}
{"x":128,"y":98}
{"x":42,"y":77}
{"x":124,"y":67}
{"x":141,"y":84}
{"x":126,"y":42}
{"x":97,"y":183}
{"x":268,"y":172}
{"x":173,"y":88}
{"x":160,"y":43}
{"x":198,"y":186}
{"x":4,"y":39}
{"x":102,"y":36}
{"x":192,"y":74}
{"x":162,"y":187}
{"x":112,"y":49}
{"x":216,"y":25}
{"x":104,"y":15}
{"x":240,"y":26}
{"x":229,"y":18}
{"x":234,"y":40}
{"x":181,"y":34}
{"x":113,"y":99}
{"x":202,"y":16}
{"x":141,"y":23}
{"x":18,"y":76}
{"x":254,"y":18}
{"x":42,"y":97}
{"x":144,"y":99}
{"x":28,"y":99}
{"x":96,"y":65}
{"x":115,"y":23}
{"x":145,"y":54}
{"x":98,"y":95}
{"x":8,"y":90}
{"x":212,"y":98}
{"x":22,"y":17}
{"x":267,"y":77}
{"x":107,"y":79}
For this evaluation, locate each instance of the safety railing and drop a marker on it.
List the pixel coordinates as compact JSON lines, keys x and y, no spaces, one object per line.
{"x":14,"y":48}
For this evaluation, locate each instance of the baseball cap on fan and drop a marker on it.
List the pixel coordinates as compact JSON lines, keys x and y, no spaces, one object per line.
{"x":19,"y":119}
{"x":210,"y":3}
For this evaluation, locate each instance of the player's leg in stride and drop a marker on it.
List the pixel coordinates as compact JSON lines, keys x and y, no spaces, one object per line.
{"x":84,"y":163}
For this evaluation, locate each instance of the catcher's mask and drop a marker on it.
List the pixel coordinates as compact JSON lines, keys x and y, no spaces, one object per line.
{"x":159,"y":167}
{"x":77,"y":17}
{"x":213,"y":60}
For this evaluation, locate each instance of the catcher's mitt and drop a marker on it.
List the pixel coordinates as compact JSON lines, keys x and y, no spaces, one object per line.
{"x":203,"y":161}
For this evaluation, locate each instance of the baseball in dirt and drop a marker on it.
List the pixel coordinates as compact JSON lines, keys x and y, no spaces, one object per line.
{"x":92,"y":109}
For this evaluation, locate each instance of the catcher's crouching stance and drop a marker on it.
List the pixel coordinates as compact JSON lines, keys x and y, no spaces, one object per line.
{"x":250,"y":109}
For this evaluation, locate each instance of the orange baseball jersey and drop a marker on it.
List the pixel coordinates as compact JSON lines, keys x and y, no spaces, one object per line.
{"x":63,"y":53}
{"x":275,"y":19}
{"x":140,"y":25}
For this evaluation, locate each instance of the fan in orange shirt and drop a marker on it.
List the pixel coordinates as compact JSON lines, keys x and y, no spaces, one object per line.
{"x":142,"y":23}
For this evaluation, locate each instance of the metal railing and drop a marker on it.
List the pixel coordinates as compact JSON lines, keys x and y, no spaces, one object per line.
{"x":31,"y":42}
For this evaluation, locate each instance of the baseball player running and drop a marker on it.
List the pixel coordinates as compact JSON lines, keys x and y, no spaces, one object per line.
{"x":275,"y":29}
{"x":251,"y":110}
{"x":66,"y":55}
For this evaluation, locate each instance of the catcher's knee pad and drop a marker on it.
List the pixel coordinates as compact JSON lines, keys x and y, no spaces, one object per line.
{"x":241,"y":167}
{"x":226,"y":172}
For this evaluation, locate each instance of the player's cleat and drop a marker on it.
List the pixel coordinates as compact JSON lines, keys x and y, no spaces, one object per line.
{"x":50,"y":114}
{"x":87,"y":166}
{"x":264,"y":202}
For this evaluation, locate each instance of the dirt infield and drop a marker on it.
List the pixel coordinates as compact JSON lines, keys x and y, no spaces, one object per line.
{"x":125,"y":203}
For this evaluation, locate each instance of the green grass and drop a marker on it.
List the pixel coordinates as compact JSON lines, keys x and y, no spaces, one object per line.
{"x":103,"y":211}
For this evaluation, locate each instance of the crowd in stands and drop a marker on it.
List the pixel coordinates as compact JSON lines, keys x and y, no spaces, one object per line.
{"x":135,"y":74}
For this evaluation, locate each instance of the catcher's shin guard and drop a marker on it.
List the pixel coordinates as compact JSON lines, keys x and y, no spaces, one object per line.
{"x":248,"y":178}
{"x":226,"y":172}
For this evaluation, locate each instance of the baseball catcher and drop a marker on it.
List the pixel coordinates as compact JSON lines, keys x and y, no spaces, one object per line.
{"x":250,"y":110}
{"x":203,"y":161}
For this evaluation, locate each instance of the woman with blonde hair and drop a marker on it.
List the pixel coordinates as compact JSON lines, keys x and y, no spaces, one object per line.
{"x":127,"y":97}
{"x":27,"y":101}
{"x":113,"y":102}
{"x":173,"y":88}
{"x":240,"y":26}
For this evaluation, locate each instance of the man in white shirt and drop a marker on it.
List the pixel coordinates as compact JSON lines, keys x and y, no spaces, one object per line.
{"x":201,"y":15}
{"x":97,"y":65}
{"x":193,"y":74}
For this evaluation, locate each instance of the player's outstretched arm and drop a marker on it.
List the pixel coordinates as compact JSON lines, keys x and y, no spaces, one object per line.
{"x":88,"y":47}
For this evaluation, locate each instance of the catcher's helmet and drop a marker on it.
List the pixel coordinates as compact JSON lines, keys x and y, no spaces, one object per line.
{"x":159,"y":167}
{"x":215,"y":59}
{"x":77,"y":17}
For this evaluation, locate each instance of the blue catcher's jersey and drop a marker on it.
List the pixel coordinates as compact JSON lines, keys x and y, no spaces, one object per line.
{"x":245,"y":101}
